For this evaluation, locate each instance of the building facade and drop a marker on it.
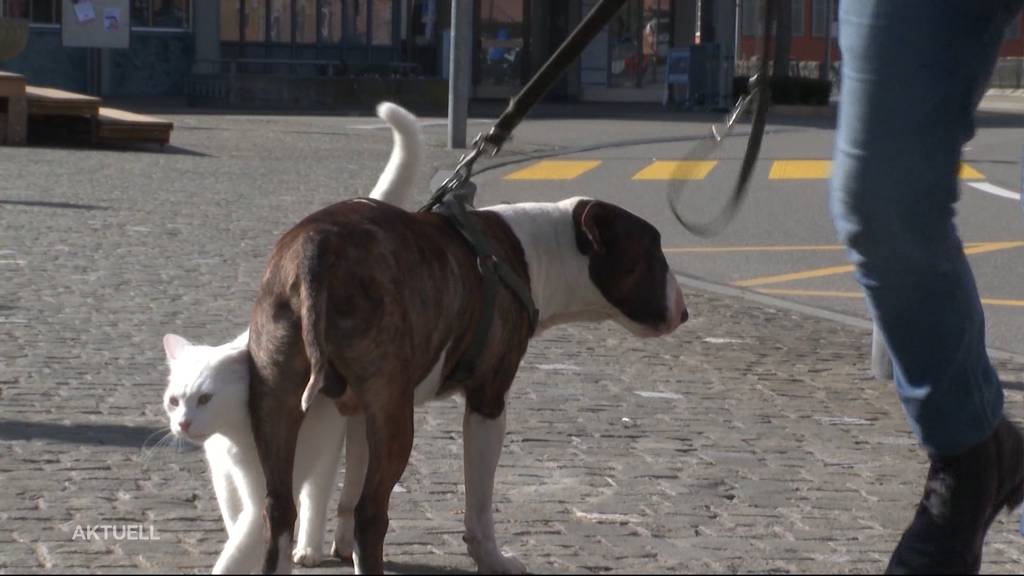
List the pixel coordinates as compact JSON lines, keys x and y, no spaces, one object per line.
{"x":174,"y":41}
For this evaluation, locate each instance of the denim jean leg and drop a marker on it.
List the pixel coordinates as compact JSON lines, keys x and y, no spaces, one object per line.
{"x":912,"y":73}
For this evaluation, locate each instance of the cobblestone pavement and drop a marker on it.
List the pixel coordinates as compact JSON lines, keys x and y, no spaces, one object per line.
{"x":752,"y":440}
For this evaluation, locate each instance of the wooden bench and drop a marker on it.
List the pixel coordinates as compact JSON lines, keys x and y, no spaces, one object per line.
{"x":115,"y":126}
{"x":13,"y":116}
{"x":54,"y":102}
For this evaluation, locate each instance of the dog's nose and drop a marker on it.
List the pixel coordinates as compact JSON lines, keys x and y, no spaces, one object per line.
{"x":184,"y":425}
{"x":684,"y":316}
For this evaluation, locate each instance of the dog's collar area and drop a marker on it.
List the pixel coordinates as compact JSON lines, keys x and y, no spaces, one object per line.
{"x":493,"y":271}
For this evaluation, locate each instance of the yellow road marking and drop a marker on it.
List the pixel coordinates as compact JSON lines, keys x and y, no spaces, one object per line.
{"x":676,"y":170}
{"x":822,"y":170}
{"x":979,"y":248}
{"x":823,"y":293}
{"x":780,"y":278}
{"x":800,"y":170}
{"x":832,"y":248}
{"x":837,"y":294}
{"x":969,"y":173}
{"x":554,"y":170}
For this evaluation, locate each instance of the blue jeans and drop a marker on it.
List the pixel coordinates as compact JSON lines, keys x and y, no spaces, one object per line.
{"x":913,"y":72}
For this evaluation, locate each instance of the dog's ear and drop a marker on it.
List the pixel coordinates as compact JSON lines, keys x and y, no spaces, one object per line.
{"x":585,"y":216}
{"x":174,"y":345}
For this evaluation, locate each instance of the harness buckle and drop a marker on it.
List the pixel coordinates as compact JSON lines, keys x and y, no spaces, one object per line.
{"x":486,"y":263}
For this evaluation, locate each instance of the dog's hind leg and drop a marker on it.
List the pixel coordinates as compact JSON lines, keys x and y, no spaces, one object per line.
{"x":277,"y":417}
{"x":356,"y":457}
{"x":482,"y":440}
{"x":389,"y":434}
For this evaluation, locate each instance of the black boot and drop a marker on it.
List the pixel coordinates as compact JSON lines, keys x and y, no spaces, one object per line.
{"x":964,"y":494}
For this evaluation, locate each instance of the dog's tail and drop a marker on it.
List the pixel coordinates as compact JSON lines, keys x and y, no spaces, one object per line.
{"x":398,"y":180}
{"x":313,"y":304}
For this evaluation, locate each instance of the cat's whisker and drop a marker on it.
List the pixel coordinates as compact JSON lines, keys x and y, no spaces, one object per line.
{"x":148,"y":453}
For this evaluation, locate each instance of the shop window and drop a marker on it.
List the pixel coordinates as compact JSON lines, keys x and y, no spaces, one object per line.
{"x":359,"y":15}
{"x":254,"y":21}
{"x":796,"y":23}
{"x":160,"y":13}
{"x":36,"y":11}
{"x":280,"y":21}
{"x":752,"y":17}
{"x":230,"y":19}
{"x":330,"y":21}
{"x":305,"y":21}
{"x":818,"y":19}
{"x":639,"y":35}
{"x":381,"y":22}
{"x":501,"y":43}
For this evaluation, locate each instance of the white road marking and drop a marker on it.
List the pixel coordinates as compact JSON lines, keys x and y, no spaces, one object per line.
{"x":995,"y":190}
{"x":423,"y":124}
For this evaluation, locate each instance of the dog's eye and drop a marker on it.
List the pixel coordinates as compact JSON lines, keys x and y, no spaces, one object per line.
{"x":204,"y":399}
{"x":173,"y":401}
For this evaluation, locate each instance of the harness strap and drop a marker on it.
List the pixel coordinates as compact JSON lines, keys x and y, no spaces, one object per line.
{"x":493,"y":271}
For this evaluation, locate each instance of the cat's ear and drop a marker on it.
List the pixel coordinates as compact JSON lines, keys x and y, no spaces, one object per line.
{"x":174,"y":345}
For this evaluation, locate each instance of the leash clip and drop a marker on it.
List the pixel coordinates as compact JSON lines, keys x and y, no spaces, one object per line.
{"x":488,"y":261}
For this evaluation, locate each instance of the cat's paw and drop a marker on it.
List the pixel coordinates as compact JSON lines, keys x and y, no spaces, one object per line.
{"x":308,"y":557}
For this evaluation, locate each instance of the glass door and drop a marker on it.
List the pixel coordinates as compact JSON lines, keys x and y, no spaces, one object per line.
{"x":501,"y":47}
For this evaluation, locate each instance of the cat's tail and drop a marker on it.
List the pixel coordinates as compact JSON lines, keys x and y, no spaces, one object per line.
{"x":397,"y":182}
{"x":313,"y":311}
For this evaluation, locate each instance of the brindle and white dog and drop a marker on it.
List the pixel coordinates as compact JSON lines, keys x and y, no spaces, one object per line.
{"x":376,"y":305}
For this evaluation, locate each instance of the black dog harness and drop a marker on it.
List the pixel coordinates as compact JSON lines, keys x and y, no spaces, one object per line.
{"x":493,"y":271}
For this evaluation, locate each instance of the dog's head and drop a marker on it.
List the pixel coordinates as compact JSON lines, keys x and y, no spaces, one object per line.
{"x":627,"y":266}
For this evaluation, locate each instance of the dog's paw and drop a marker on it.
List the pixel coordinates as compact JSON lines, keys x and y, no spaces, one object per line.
{"x":342,"y":550}
{"x":489,"y":560}
{"x":308,"y":557}
{"x":501,"y":564}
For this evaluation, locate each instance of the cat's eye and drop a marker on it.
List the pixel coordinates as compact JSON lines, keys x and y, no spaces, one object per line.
{"x":204,"y":399}
{"x":173,"y":401}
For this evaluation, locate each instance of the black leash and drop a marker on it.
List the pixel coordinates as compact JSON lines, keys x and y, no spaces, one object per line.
{"x":491,"y":142}
{"x":756,"y":103}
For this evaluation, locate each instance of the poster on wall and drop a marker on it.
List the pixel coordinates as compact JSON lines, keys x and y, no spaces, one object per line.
{"x":96,"y":24}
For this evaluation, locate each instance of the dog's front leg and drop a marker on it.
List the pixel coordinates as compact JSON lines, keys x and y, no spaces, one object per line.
{"x":482,"y":441}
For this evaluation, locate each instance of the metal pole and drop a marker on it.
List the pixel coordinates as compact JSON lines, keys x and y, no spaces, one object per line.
{"x":826,"y":74}
{"x":459,"y":72}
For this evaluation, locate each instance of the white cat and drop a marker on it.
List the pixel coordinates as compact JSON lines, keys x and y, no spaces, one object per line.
{"x":207,"y":402}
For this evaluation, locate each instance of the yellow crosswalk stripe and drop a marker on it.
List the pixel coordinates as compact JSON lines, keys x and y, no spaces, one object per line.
{"x":676,"y":170}
{"x":800,"y":170}
{"x":554,"y":170}
{"x":969,"y":173}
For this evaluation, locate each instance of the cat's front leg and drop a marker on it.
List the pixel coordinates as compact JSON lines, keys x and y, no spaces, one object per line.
{"x":316,"y":466}
{"x":357,"y":458}
{"x":244,"y":551}
{"x":228,"y":498}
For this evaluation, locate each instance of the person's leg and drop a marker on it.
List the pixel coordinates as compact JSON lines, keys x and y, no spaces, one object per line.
{"x":912,"y":74}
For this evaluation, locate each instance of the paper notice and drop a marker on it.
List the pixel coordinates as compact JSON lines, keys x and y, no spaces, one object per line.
{"x":112,"y":19}
{"x":84,"y":11}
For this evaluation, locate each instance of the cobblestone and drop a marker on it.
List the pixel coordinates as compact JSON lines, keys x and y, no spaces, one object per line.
{"x":765,"y":447}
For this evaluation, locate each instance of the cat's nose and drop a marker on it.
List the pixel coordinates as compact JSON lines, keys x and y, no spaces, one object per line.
{"x":184,"y":424}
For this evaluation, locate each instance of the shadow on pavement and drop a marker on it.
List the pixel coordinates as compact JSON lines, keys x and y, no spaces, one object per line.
{"x":93,"y":434}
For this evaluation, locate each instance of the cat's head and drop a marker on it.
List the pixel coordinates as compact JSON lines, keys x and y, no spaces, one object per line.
{"x":208,"y":386}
